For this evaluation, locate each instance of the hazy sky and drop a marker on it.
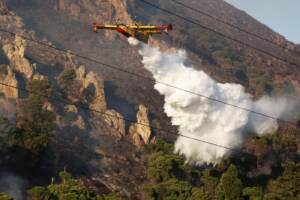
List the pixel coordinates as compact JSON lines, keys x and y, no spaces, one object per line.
{"x":283,"y":16}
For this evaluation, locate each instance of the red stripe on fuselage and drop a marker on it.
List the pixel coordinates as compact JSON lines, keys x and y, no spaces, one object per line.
{"x":120,"y":30}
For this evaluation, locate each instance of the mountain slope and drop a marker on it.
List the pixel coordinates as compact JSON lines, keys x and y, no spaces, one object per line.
{"x":100,"y":148}
{"x":69,"y":25}
{"x":88,"y":144}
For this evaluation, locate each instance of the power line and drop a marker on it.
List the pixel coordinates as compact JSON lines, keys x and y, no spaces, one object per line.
{"x":65,"y":102}
{"x":232,"y":25}
{"x":219,"y":33}
{"x":149,"y":79}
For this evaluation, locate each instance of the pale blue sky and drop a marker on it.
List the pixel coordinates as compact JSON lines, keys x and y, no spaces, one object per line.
{"x":283,"y":16}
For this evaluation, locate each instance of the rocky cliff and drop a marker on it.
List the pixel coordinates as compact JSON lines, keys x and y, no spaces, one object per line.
{"x":8,"y":77}
{"x":90,"y":139}
{"x":140,"y":132}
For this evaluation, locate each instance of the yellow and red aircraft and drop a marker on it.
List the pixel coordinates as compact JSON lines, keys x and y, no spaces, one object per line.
{"x":137,"y":31}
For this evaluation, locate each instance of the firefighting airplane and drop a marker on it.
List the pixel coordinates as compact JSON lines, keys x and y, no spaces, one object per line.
{"x":137,"y":31}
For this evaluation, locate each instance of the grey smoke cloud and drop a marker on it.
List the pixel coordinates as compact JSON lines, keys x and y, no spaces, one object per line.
{"x":7,"y":109}
{"x":12,"y":185}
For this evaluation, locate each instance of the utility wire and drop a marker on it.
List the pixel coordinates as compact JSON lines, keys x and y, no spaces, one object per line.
{"x":150,"y":79}
{"x":232,"y":25}
{"x":219,"y":33}
{"x":66,"y":102}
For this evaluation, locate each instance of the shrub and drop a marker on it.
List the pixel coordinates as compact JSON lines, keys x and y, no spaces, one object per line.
{"x":66,"y":76}
{"x":34,"y":123}
{"x":40,"y":88}
{"x":39,"y":193}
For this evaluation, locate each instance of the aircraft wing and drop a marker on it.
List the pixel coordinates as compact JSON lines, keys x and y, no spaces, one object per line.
{"x":97,"y":26}
{"x":141,"y":32}
{"x":166,"y":28}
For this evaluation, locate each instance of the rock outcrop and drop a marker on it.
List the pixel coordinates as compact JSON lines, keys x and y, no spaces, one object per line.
{"x":15,"y":53}
{"x":3,"y":8}
{"x":140,"y":132}
{"x":72,"y":116}
{"x":116,"y":121}
{"x":92,"y":88}
{"x":8,"y":78}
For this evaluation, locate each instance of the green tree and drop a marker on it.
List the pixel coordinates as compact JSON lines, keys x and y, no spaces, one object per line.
{"x":67,"y":76}
{"x":210,"y":183}
{"x":34,"y":122}
{"x":230,"y":186}
{"x":169,"y":190}
{"x":162,"y":167}
{"x":68,"y":189}
{"x":161,"y":146}
{"x":112,"y":196}
{"x":286,"y":186}
{"x":6,"y":128}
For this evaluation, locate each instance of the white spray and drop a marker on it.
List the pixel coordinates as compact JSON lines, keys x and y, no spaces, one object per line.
{"x":199,"y":117}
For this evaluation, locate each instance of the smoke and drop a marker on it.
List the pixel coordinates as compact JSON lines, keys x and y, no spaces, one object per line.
{"x":201,"y":118}
{"x":9,"y":183}
{"x":7,"y":109}
{"x":277,"y":107}
{"x":12,"y":185}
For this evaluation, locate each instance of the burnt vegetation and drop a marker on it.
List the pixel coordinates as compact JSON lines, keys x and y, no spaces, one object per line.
{"x":25,"y":140}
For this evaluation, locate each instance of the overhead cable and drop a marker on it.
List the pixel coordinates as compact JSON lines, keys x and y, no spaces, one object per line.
{"x":232,"y":25}
{"x":151,"y":79}
{"x":220,"y":34}
{"x":66,"y":102}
